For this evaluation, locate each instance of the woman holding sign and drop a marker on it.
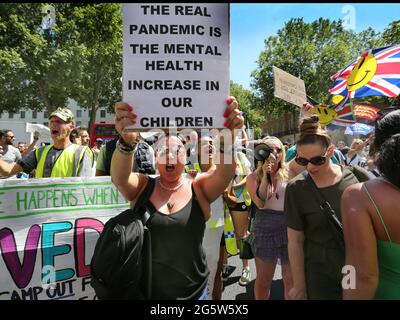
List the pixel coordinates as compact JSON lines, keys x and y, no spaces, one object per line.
{"x":181,"y":206}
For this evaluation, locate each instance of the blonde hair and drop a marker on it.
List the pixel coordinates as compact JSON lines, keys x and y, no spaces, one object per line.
{"x":359,"y":141}
{"x":283,"y":171}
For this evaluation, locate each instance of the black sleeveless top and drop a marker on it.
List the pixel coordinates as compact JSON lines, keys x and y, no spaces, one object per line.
{"x":179,"y":262}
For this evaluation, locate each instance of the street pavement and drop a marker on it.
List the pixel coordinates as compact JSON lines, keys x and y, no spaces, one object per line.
{"x":234,"y":291}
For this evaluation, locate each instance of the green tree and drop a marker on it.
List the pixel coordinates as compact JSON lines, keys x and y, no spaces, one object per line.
{"x":391,"y":35}
{"x":39,"y":67}
{"x":99,"y":28}
{"x":80,"y":58}
{"x":249,"y":105}
{"x":311,"y":51}
{"x":366,"y":40}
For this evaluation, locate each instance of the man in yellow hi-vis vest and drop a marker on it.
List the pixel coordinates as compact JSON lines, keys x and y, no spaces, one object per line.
{"x":61,"y":159}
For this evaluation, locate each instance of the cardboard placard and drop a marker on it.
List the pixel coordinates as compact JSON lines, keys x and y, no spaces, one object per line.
{"x":288,"y":87}
{"x":176,"y":64}
{"x":48,"y":231}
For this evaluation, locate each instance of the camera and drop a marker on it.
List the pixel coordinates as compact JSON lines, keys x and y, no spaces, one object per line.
{"x":262,"y":152}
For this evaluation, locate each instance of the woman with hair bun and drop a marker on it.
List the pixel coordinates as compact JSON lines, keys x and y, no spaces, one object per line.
{"x":371,"y":218}
{"x":316,"y":251}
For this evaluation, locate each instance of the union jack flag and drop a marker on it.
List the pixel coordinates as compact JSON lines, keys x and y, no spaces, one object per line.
{"x":385,"y":82}
{"x":345,"y":115}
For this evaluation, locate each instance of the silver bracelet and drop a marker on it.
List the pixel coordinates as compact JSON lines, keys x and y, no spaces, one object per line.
{"x":123,"y":150}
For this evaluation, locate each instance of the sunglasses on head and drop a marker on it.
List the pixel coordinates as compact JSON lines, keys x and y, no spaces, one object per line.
{"x":383,"y":112}
{"x":316,"y":161}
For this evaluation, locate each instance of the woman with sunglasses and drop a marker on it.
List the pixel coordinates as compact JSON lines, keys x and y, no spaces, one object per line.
{"x":371,"y":219}
{"x":316,"y":256}
{"x":268,"y":233}
{"x":181,"y":206}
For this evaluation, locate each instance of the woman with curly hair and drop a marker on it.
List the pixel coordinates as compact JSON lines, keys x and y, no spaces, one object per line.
{"x":371,"y":219}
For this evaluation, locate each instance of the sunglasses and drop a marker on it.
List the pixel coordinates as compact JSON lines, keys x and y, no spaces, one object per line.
{"x":175,"y":150}
{"x":316,"y":161}
{"x":383,"y":112}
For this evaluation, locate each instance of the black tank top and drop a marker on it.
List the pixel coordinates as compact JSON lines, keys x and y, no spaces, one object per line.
{"x":179,"y":262}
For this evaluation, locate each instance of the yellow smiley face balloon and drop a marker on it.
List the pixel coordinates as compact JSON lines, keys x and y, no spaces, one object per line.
{"x":362,"y":72}
{"x":337,"y":99}
{"x":325,"y":113}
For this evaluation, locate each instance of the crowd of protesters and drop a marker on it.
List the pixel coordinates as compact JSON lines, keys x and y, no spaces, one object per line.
{"x":311,"y":207}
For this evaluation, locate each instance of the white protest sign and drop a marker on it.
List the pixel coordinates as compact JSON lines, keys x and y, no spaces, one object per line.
{"x":288,"y":87}
{"x":176,"y":63}
{"x":48,"y":230}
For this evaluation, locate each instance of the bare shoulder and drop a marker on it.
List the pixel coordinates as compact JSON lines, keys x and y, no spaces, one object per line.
{"x":252,"y":180}
{"x":201,"y":197}
{"x":354,"y":201}
{"x":252,"y":177}
{"x":199,"y":179}
{"x":353,"y":192}
{"x":197,"y":186}
{"x":142,"y":181}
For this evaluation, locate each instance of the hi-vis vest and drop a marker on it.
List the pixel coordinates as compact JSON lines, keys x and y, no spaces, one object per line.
{"x":246,"y":194}
{"x":229,"y":233}
{"x":192,"y":166}
{"x":66,"y":165}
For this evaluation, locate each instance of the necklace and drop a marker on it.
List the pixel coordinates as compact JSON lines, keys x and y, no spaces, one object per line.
{"x":171,"y":189}
{"x":170,"y":205}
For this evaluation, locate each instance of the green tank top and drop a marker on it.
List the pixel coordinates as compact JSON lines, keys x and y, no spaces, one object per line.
{"x":388,"y":263}
{"x":389,"y":270}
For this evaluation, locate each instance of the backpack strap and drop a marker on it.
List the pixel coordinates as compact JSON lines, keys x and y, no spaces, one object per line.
{"x":352,"y":158}
{"x":377,"y":211}
{"x":144,"y":198}
{"x":326,"y":208}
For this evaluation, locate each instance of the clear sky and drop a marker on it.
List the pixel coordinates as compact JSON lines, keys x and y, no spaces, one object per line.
{"x":252,"y":23}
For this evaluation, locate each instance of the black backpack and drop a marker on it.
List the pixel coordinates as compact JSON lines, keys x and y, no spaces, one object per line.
{"x":121,"y":262}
